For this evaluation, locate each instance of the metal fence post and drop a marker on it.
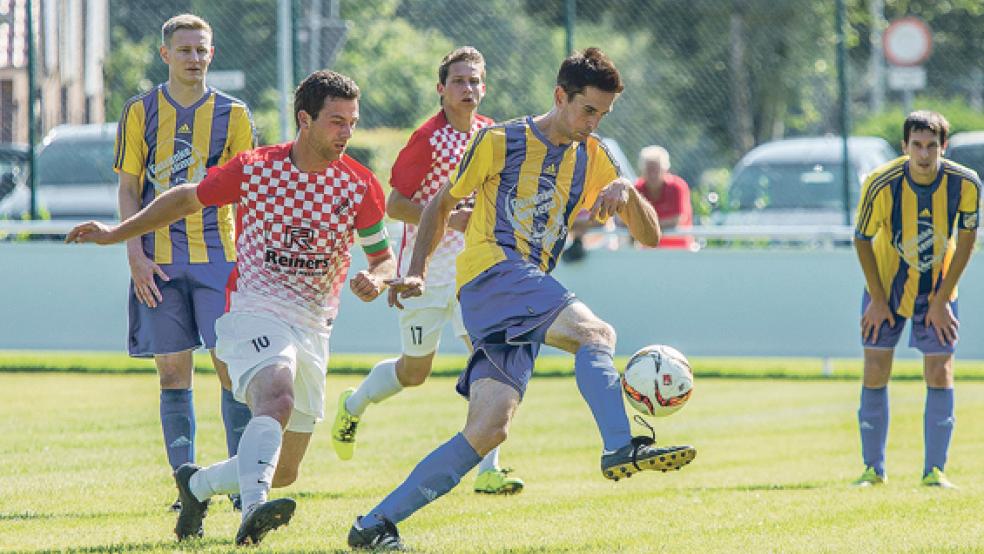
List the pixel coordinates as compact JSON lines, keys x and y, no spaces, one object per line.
{"x":286,"y":62}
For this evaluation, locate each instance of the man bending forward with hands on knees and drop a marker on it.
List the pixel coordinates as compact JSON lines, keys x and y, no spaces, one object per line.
{"x":531,"y":176}
{"x":302,"y":205}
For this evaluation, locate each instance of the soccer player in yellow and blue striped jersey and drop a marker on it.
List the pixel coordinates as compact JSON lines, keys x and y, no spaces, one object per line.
{"x":168,"y":136}
{"x":530,"y":176}
{"x":916,"y":228}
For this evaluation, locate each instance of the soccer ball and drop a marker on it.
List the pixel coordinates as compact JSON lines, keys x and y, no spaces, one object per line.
{"x":658,"y":380}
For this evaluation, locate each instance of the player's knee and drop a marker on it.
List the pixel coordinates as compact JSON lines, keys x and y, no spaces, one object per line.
{"x":600,"y":333}
{"x":414,"y":375}
{"x":278,"y":406}
{"x":175,"y":379}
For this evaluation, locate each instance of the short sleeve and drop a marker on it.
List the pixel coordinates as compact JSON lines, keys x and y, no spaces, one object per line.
{"x":871,"y":210}
{"x":602,"y":170}
{"x":242,"y":132}
{"x":969,"y":207}
{"x":474,"y":167}
{"x":223,"y":184}
{"x":131,"y":150}
{"x":369,"y":222}
{"x":412,"y":164}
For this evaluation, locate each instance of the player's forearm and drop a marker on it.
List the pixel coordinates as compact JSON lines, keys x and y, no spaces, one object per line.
{"x":641,"y":219}
{"x":965,"y":247}
{"x":129,"y":204}
{"x":433,"y":224}
{"x":869,"y":266}
{"x":167,"y":208}
{"x":403,"y":209}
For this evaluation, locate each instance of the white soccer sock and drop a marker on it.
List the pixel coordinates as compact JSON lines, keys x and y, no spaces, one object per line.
{"x":218,"y":478}
{"x":259,"y":451}
{"x":380,"y":384}
{"x":490,"y":461}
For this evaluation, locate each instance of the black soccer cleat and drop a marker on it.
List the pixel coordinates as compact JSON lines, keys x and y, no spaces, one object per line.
{"x":176,"y":507}
{"x":642,"y":454}
{"x":382,"y":536}
{"x":192,"y":511}
{"x":263,"y":518}
{"x":237,"y":502}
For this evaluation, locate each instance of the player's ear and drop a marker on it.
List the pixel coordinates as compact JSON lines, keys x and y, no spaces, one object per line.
{"x":164,"y":54}
{"x":560,"y":97}
{"x":440,"y":89}
{"x":303,"y":119}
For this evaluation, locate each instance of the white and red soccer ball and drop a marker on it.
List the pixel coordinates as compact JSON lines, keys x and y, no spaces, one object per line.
{"x":658,"y":380}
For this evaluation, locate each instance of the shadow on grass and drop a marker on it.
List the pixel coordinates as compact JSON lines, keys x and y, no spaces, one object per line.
{"x":324,"y":495}
{"x":769,"y":487}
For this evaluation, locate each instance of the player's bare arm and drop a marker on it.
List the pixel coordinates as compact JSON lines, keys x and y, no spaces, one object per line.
{"x":142,"y":268}
{"x":370,"y":282}
{"x":940,"y":316}
{"x":433,"y":225}
{"x":402,"y":208}
{"x":877,"y":310}
{"x":176,"y":203}
{"x":620,"y":197}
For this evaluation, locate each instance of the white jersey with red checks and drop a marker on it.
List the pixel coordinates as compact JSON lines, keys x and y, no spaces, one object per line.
{"x":295,"y":231}
{"x":424,"y":165}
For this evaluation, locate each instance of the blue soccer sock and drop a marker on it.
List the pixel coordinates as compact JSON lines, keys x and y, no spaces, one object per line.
{"x":594,"y":371}
{"x":434,"y":476}
{"x":178,"y":424}
{"x":873,"y":423}
{"x":938,"y":423}
{"x":235,"y":416}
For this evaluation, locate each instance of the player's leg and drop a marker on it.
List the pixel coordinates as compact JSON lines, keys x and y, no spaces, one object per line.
{"x":420,"y":322}
{"x":873,"y":413}
{"x":177,"y":406}
{"x":491,"y":406}
{"x":938,"y":414}
{"x":578,"y":330}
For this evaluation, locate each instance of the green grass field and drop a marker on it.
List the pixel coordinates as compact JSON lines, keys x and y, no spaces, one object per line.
{"x":83,"y":470}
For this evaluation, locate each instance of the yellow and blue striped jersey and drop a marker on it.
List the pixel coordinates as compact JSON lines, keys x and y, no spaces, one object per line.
{"x":166,"y":144}
{"x":528,"y":192}
{"x":913,"y":226}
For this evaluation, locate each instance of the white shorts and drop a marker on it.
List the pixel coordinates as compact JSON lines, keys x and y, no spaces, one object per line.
{"x":423,"y":318}
{"x":248,"y":342}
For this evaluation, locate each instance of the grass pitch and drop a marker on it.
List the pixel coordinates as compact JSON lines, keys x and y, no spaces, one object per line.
{"x":84,"y":470}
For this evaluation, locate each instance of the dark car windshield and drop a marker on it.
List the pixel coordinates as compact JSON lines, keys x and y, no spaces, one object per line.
{"x":971,"y":155}
{"x":76,"y":163}
{"x":789,"y":186}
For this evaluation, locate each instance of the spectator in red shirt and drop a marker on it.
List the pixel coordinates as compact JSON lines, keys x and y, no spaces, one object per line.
{"x":669,"y":194}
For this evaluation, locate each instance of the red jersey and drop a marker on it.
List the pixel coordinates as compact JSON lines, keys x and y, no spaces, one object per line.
{"x":674,"y":200}
{"x":295,"y":230}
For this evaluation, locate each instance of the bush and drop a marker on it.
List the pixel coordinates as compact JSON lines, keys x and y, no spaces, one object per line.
{"x":888,"y":123}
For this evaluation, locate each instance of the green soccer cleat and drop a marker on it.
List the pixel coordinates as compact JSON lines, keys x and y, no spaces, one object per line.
{"x":497,"y":481}
{"x":870,"y":478}
{"x":936,"y":478}
{"x":344,"y":428}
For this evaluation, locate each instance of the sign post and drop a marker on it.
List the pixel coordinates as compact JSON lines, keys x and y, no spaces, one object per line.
{"x":907,"y":43}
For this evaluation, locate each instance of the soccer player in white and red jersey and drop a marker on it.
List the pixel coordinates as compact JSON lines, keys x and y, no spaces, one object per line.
{"x":302,"y":205}
{"x":421,"y":169}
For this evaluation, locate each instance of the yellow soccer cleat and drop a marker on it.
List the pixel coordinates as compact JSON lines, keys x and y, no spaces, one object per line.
{"x":870,"y":478}
{"x":344,"y":428}
{"x":936,"y":478}
{"x":497,"y":481}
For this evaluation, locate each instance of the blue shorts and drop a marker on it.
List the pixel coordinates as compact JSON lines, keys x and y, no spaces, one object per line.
{"x":193,"y":299}
{"x":920,"y":337}
{"x":507,"y":310}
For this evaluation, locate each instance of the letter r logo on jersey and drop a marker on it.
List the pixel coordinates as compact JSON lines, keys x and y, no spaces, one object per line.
{"x":298,"y":235}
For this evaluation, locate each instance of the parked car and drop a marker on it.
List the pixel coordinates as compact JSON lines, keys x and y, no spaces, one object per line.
{"x":75,"y":175}
{"x":799,"y":181}
{"x":13,"y":167}
{"x":967,"y":149}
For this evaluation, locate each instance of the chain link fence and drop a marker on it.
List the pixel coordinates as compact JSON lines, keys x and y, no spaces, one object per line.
{"x":708,"y":79}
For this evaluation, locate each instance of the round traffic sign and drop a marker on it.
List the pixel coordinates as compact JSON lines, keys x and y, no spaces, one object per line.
{"x":907,"y":42}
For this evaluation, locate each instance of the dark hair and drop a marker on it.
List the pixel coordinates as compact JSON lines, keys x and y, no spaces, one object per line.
{"x":590,"y":68}
{"x":311,"y":94}
{"x":925,"y":120}
{"x":463,"y":54}
{"x":184,"y":21}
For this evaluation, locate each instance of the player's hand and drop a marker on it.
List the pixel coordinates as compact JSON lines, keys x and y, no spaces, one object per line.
{"x":940,"y":317}
{"x":91,"y":231}
{"x":142,"y":271}
{"x":871,"y":320}
{"x":367,"y":286}
{"x":611,"y":199}
{"x":404,"y":287}
{"x":459,"y":219}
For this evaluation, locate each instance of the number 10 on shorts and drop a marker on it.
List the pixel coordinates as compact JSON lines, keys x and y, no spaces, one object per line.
{"x":259,"y":343}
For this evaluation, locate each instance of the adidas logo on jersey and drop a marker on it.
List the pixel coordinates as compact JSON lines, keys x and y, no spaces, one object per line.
{"x":551,"y":169}
{"x":925,"y":213}
{"x":184,"y":129}
{"x":180,"y":441}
